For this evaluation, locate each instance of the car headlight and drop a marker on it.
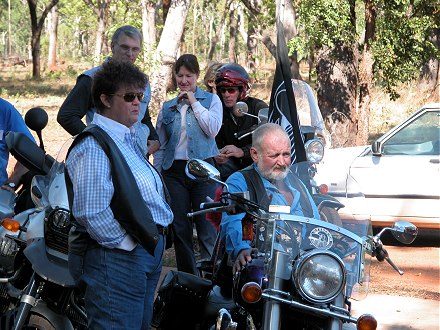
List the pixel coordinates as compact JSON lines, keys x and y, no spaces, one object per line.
{"x":314,"y":150}
{"x":319,"y":276}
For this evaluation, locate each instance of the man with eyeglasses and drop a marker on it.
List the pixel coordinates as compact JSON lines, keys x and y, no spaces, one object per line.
{"x":233,"y":85}
{"x":126,"y":45}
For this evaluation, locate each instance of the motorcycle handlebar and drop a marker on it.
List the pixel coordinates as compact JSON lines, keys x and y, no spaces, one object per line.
{"x":245,"y":132}
{"x":208,"y":205}
{"x":224,"y":208}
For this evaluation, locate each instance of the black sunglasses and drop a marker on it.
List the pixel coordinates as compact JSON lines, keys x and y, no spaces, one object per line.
{"x":230,"y":90}
{"x":129,"y":97}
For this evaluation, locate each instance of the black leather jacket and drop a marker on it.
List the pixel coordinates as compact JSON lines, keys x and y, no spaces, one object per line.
{"x":232,"y":125}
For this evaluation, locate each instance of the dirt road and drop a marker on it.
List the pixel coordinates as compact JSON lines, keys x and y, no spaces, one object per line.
{"x":422,"y":273}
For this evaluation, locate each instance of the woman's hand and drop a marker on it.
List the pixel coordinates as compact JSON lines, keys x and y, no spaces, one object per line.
{"x":187,"y":95}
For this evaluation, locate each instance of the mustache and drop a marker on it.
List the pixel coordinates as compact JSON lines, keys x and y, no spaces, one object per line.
{"x":282,"y":168}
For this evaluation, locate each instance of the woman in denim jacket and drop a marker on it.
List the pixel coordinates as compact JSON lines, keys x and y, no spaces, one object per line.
{"x":187,"y":126}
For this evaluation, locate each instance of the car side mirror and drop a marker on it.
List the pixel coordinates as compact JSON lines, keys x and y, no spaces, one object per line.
{"x":376,"y":148}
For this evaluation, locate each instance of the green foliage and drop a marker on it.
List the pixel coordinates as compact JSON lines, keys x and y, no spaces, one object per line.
{"x":325,"y":22}
{"x":20,"y":28}
{"x":403,"y":44}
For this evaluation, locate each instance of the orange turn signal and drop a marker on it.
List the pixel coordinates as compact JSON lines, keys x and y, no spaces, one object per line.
{"x":366,"y":322}
{"x":251,"y":292}
{"x":323,"y":189}
{"x":10,"y":224}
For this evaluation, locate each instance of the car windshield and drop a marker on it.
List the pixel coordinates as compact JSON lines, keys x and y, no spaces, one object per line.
{"x":421,"y":136}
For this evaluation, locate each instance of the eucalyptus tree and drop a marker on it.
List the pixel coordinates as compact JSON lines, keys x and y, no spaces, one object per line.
{"x":101,"y":10}
{"x":167,"y":49}
{"x":37,"y":27}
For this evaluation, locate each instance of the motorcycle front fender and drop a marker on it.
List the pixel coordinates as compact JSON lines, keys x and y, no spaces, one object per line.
{"x":51,"y":267}
{"x":57,"y":320}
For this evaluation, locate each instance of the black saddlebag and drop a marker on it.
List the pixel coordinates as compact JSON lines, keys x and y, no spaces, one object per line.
{"x":180,"y":301}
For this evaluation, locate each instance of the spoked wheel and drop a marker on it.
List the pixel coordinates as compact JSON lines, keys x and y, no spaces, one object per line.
{"x":38,"y":322}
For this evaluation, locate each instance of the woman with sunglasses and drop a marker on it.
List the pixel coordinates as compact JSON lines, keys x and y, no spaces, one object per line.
{"x":187,"y":126}
{"x":233,"y":85}
{"x":119,"y":274}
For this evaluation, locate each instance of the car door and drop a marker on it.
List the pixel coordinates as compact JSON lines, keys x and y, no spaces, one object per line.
{"x":403,"y":182}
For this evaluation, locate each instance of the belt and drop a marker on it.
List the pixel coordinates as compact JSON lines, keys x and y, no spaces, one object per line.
{"x":162,"y":230}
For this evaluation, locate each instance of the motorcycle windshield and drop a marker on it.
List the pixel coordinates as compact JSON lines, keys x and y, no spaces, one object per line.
{"x":308,"y":111}
{"x":56,"y":189}
{"x":345,"y":233}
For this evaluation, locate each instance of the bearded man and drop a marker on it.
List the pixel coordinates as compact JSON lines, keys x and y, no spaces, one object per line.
{"x":270,"y":153}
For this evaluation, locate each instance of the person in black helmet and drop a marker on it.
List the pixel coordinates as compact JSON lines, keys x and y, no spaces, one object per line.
{"x":233,"y":85}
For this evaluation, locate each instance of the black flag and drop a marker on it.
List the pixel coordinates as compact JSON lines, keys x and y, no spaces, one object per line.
{"x":282,"y":106}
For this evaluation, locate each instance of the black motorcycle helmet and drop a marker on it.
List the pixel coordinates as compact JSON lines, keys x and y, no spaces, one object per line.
{"x":234,"y":75}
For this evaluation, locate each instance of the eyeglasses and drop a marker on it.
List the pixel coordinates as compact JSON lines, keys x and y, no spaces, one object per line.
{"x":129,"y":97}
{"x":127,"y":49}
{"x":229,"y":90}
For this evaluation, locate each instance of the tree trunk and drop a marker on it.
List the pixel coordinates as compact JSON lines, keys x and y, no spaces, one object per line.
{"x":430,"y":72}
{"x":290,"y":31}
{"x":167,"y":50}
{"x":216,"y":37}
{"x":233,"y":27}
{"x":366,"y":75}
{"x":101,"y":11}
{"x":37,"y":27}
{"x":166,"y":4}
{"x":336,"y":86}
{"x":149,"y":24}
{"x":252,"y":49}
{"x":53,"y":30}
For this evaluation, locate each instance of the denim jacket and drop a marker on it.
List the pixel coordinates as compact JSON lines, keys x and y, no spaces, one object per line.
{"x":142,"y":131}
{"x":200,"y":145}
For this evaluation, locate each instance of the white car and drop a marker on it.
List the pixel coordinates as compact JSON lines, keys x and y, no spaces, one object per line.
{"x":399,"y":174}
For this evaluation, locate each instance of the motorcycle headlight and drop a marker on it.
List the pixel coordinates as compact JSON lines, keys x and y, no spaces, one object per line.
{"x":60,"y":218}
{"x":314,"y":150}
{"x":319,"y":276}
{"x":56,"y":230}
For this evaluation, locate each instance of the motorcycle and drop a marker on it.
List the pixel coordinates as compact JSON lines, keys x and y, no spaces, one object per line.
{"x":16,"y":205}
{"x":41,"y":290}
{"x":304,"y":276}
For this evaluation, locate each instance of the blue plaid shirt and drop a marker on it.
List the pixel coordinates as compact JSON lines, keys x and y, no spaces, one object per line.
{"x":90,"y":172}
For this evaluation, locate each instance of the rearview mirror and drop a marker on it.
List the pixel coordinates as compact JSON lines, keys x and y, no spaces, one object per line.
{"x":240,"y":109}
{"x":197,"y":169}
{"x":405,"y":232}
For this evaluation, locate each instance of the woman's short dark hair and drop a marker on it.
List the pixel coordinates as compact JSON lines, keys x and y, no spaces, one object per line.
{"x":112,"y":76}
{"x":189,"y":61}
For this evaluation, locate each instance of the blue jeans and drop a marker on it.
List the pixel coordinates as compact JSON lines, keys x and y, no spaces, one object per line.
{"x":119,"y":285}
{"x":186,"y":196}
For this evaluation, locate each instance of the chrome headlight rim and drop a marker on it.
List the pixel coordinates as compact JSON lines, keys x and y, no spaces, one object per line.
{"x":314,"y":150}
{"x":298,"y":280}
